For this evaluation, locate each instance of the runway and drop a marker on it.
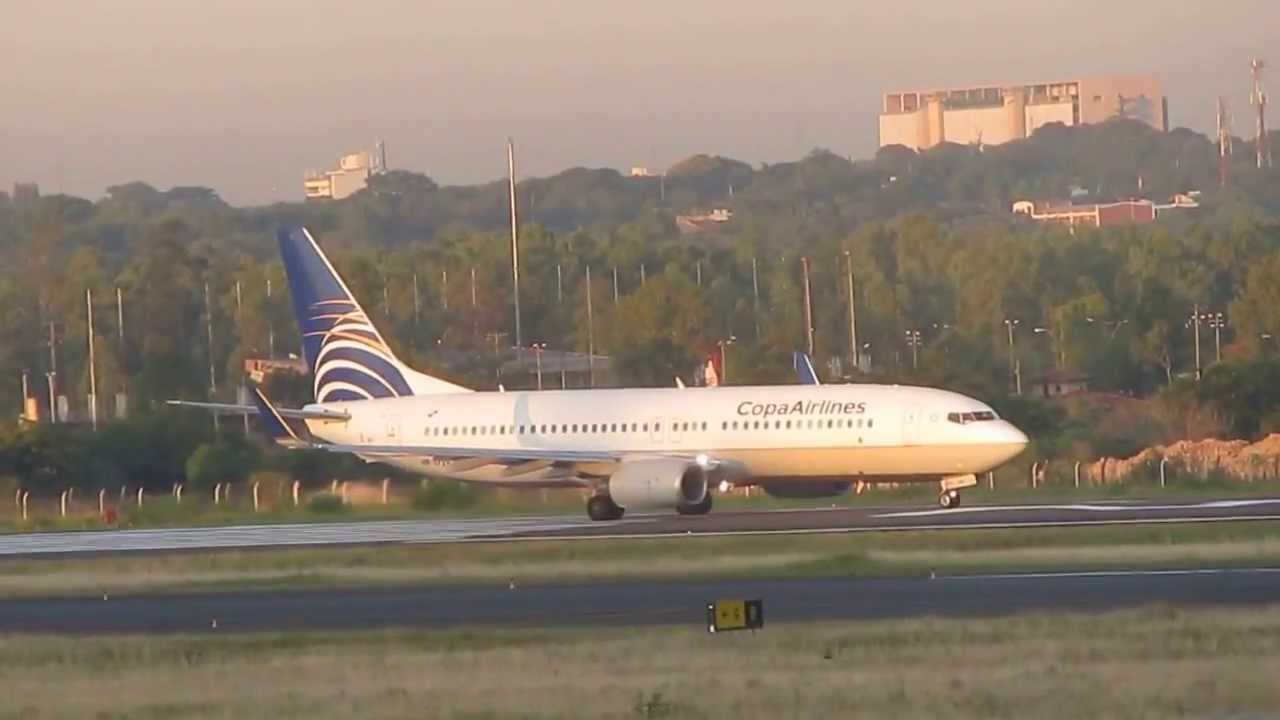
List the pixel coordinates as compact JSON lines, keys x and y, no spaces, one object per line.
{"x":835,"y":520}
{"x":641,"y":603}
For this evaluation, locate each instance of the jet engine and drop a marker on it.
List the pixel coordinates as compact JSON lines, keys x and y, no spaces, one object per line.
{"x":814,"y":489}
{"x":658,"y":483}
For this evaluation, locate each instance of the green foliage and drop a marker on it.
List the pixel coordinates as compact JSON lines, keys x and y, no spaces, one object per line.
{"x":220,"y":462}
{"x":327,"y":504}
{"x":437,"y":494}
{"x":927,"y":236}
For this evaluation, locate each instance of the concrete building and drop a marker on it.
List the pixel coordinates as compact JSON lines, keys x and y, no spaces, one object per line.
{"x":351,"y":176}
{"x":995,"y":114}
{"x":1123,"y":212}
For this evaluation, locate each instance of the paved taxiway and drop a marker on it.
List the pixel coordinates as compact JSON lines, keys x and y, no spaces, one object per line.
{"x":835,"y":520}
{"x":640,"y":603}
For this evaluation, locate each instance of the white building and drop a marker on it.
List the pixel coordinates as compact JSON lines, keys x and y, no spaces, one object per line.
{"x":995,"y":114}
{"x":350,"y":177}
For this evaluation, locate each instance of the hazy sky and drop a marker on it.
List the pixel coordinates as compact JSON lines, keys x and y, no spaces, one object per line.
{"x":246,"y":95}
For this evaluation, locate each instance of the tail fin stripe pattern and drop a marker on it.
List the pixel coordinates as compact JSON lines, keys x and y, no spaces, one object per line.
{"x":361,"y":358}
{"x":347,"y":355}
{"x":355,"y":377}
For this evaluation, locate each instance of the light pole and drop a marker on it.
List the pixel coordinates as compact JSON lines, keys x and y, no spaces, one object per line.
{"x":1265,"y":339}
{"x":1048,"y":332}
{"x":1015,"y":367}
{"x":913,"y":339}
{"x":724,"y":357}
{"x":1216,"y":321}
{"x":538,"y":347}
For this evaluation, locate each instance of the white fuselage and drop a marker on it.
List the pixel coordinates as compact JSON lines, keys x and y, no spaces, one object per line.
{"x":765,"y":433}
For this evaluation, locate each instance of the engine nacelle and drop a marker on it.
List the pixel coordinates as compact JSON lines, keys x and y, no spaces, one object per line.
{"x":659,"y":483}
{"x":814,"y":489}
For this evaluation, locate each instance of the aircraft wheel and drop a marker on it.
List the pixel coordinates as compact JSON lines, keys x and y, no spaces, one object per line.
{"x":602,"y":507}
{"x":949,"y":499}
{"x":701,"y":508}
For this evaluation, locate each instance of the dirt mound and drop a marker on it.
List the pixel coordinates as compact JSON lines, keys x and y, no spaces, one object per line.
{"x":1238,"y":459}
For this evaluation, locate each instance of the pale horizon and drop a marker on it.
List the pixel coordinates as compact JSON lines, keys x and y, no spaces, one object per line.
{"x":246,"y":99}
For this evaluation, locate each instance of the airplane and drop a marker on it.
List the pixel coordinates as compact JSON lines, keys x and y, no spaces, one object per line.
{"x":635,"y":449}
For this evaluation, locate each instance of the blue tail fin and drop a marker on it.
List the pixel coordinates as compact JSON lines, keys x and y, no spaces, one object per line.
{"x":804,"y":368}
{"x":347,"y":355}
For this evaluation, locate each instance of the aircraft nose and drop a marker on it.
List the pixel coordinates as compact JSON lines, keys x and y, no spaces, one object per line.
{"x":1011,"y":438}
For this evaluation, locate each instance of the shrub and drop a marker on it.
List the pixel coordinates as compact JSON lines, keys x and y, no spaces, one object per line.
{"x":444,"y":495}
{"x":326,"y":504}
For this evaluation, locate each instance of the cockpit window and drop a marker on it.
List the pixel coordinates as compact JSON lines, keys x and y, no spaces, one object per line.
{"x":964,"y":418}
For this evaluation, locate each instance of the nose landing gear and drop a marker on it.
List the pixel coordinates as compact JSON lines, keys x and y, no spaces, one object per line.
{"x":949,"y":499}
{"x":951,"y":487}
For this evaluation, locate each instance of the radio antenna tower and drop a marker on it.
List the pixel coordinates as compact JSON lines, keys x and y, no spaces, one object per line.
{"x":1224,"y":142}
{"x":1259,"y":100}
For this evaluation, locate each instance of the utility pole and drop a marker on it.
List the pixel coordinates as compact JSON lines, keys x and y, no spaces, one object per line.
{"x":515,"y":244}
{"x":244,"y":390}
{"x":755,"y":296}
{"x":1224,"y":143}
{"x":591,"y":336}
{"x":417,"y":304}
{"x":559,"y":284}
{"x":444,"y":288}
{"x":213,"y":378}
{"x":93,"y":374}
{"x":271,"y":323}
{"x":1195,"y":321}
{"x":697,"y":267}
{"x":473,"y":288}
{"x":642,"y":277}
{"x":1015,"y":365}
{"x":853,"y":322}
{"x":615,"y":284}
{"x":1258,"y":98}
{"x":52,"y":375}
{"x":120,"y":318}
{"x":808,"y":307}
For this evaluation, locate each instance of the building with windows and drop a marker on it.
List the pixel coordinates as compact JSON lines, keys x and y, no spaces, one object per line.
{"x":350,"y":177}
{"x":995,"y":114}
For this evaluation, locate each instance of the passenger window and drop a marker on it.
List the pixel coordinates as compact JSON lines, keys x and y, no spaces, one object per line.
{"x":870,"y":421}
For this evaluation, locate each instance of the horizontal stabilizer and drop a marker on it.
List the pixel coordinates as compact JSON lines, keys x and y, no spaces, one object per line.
{"x":311,"y":413}
{"x":275,"y":425}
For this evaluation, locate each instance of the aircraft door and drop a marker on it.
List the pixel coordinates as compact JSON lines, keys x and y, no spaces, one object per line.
{"x":910,"y":426}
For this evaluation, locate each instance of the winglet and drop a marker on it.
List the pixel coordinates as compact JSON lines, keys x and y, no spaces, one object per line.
{"x":273,"y":423}
{"x":803,"y":365}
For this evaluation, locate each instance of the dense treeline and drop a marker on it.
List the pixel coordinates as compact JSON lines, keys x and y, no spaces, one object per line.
{"x":942,"y":272}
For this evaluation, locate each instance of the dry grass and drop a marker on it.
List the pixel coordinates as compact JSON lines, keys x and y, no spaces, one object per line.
{"x":1133,"y":664}
{"x":683,"y":557}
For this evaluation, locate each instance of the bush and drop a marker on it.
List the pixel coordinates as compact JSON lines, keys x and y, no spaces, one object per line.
{"x":444,"y":495}
{"x":327,"y":504}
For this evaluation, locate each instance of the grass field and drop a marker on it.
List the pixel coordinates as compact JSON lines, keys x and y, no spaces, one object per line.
{"x":164,"y":511}
{"x":1148,"y":663}
{"x":776,"y":556}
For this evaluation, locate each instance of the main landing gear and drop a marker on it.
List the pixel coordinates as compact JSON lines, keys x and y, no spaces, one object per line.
{"x":602,"y":507}
{"x":949,"y":499}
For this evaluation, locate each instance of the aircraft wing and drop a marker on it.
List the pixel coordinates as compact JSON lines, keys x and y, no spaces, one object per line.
{"x":291,"y":413}
{"x":496,"y":454}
